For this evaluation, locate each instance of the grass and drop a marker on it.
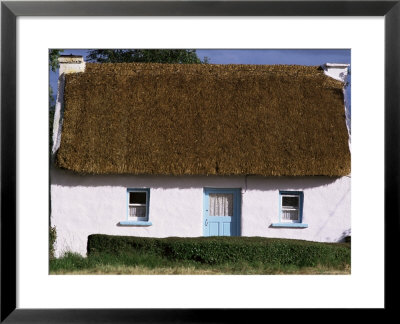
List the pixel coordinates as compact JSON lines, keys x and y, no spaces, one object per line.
{"x":142,"y":264}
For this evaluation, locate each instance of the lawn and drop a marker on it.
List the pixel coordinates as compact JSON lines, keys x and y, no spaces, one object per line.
{"x":137,"y":264}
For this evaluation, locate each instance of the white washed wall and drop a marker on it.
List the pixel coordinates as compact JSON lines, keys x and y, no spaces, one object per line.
{"x":84,"y":205}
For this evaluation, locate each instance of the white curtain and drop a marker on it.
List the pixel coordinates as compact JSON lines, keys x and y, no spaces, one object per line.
{"x":221,"y":204}
{"x":137,"y":211}
{"x":292,"y":214}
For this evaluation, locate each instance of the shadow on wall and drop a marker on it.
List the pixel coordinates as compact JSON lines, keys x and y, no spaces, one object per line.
{"x":345,"y":237}
{"x":289,"y":183}
{"x":70,"y":179}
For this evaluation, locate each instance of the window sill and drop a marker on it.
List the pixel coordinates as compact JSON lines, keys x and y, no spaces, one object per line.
{"x":135,"y":223}
{"x":292,"y":225}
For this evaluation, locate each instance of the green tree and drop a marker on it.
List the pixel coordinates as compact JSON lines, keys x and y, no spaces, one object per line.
{"x":145,"y":55}
{"x":54,"y":54}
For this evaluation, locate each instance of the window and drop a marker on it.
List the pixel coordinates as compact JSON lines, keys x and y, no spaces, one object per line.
{"x":138,"y":207}
{"x":220,"y":204}
{"x":290,"y":209}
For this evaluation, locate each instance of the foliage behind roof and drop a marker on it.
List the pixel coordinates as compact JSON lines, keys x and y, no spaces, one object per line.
{"x":204,"y":119}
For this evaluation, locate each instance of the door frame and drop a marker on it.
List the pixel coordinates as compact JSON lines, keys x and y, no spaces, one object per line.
{"x":237,"y":205}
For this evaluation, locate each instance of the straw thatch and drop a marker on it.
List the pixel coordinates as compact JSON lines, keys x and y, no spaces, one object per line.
{"x":171,"y":119}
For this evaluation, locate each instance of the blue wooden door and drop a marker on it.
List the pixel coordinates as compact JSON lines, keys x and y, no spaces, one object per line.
{"x":221,"y":212}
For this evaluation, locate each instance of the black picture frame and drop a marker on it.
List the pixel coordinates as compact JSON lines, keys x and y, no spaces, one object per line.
{"x":10,"y":10}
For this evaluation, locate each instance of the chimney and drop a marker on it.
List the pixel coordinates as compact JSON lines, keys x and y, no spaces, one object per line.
{"x":338,"y":71}
{"x":71,"y":64}
{"x":68,"y":64}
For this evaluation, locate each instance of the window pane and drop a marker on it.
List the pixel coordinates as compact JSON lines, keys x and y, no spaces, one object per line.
{"x":290,"y":201}
{"x":290,"y":215}
{"x":137,"y":198}
{"x":137,"y":211}
{"x":221,"y":204}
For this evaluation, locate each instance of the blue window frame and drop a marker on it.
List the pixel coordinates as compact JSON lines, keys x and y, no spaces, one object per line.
{"x":137,"y":207}
{"x":290,"y":209}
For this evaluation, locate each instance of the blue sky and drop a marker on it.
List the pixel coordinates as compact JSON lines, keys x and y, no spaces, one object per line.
{"x":254,"y":56}
{"x":276,"y":56}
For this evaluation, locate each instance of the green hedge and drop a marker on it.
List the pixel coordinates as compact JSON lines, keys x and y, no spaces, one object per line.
{"x":220,"y":250}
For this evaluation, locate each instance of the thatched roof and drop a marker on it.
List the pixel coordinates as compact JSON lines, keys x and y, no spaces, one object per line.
{"x":175,"y":119}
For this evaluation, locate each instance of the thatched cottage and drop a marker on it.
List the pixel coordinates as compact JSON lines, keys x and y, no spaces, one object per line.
{"x":199,"y":150}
